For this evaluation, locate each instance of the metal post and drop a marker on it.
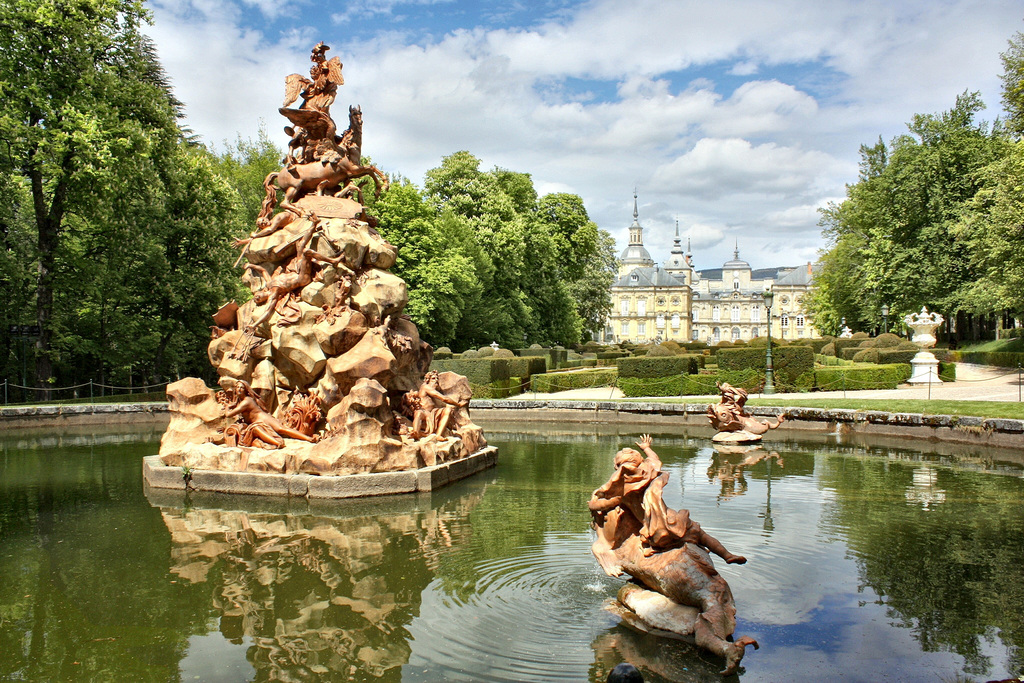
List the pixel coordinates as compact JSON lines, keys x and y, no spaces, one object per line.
{"x":1018,"y":383}
{"x":769,"y":371}
{"x":91,"y":400}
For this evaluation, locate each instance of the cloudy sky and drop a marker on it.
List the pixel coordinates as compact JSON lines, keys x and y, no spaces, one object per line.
{"x":737,"y":118}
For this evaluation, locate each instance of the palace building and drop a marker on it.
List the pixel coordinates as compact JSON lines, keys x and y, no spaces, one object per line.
{"x":673,"y":301}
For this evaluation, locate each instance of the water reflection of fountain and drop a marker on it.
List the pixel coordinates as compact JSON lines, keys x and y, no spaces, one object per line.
{"x":728,"y":463}
{"x":318,"y":595}
{"x":924,"y":490}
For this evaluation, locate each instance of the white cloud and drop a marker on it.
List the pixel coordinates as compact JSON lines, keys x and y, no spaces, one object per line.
{"x":751,"y":161}
{"x":715,"y":168}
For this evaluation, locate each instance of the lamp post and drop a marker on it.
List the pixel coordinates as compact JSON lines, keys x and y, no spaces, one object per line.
{"x":769,"y":371}
{"x":885,"y":318}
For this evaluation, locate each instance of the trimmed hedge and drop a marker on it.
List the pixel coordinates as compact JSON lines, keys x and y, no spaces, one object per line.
{"x":847,"y":343}
{"x":633,"y":387}
{"x":822,"y":359}
{"x":578,"y":363}
{"x":819,"y":344}
{"x":947,"y":371}
{"x":897,"y":355}
{"x":788,"y":362}
{"x":861,"y":377}
{"x":487,"y":371}
{"x":653,"y":367}
{"x":1000,"y":359}
{"x":702,"y":385}
{"x":612,"y":355}
{"x":551,"y":382}
{"x":555,"y":356}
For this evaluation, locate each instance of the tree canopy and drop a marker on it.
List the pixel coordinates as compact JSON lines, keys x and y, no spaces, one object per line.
{"x":915,"y":229}
{"x":116,"y":230}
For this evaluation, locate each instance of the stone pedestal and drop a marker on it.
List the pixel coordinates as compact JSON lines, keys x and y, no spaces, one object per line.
{"x":925,"y":369}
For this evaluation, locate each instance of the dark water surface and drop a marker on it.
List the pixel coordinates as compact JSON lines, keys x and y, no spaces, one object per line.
{"x":866,"y":563}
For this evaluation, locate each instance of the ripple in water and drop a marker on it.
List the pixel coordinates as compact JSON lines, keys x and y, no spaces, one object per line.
{"x":528,"y":617}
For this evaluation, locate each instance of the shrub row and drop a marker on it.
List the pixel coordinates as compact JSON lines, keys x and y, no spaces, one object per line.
{"x":555,"y":357}
{"x":788,"y":362}
{"x":1000,"y":359}
{"x":861,"y":377}
{"x":549,"y":382}
{"x":659,"y":366}
{"x":480,"y":371}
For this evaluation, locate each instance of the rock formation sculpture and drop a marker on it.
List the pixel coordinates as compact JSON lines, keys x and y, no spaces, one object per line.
{"x":733,"y":422}
{"x":666,"y":553}
{"x":317,"y":367}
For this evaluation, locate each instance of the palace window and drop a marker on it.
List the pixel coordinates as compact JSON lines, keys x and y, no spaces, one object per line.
{"x":661,"y":301}
{"x":694,"y":315}
{"x":675,"y":301}
{"x":754,"y":333}
{"x":735,"y":284}
{"x":784,"y":321}
{"x":755,"y":314}
{"x":624,"y":307}
{"x":735,"y":334}
{"x":716,"y":314}
{"x":799,"y":321}
{"x":717,"y":333}
{"x":675,"y":321}
{"x":660,"y":322}
{"x":694,"y":334}
{"x":641,"y":307}
{"x":625,"y":328}
{"x":735,"y":313}
{"x":641,"y":329}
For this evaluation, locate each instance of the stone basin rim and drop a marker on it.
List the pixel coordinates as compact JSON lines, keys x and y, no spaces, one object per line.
{"x":311,"y":486}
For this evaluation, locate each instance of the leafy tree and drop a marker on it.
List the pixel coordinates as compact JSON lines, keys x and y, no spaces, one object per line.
{"x":992,"y":224}
{"x":894,"y":239}
{"x":1013,"y":84}
{"x":81,"y":91}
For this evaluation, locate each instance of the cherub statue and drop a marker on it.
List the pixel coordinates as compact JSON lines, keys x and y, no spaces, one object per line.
{"x":665,"y":550}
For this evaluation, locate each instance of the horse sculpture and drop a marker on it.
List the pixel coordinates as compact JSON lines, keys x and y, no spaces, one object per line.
{"x":341,"y":164}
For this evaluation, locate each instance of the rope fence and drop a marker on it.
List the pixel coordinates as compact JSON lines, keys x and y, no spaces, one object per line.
{"x":86,"y":392}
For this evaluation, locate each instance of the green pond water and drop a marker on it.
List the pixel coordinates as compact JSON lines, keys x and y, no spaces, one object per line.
{"x":867,"y":562}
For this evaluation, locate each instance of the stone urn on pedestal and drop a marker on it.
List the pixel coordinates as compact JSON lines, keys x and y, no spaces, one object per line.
{"x":925,"y":365}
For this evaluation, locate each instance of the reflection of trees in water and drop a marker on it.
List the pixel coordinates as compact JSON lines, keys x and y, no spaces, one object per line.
{"x":951,"y":570}
{"x":318,"y":596}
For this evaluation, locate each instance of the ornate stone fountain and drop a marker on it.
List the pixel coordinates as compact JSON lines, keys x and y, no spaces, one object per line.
{"x":320,"y":372}
{"x":925,"y":365}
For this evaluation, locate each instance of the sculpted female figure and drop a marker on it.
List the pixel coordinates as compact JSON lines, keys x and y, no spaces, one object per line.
{"x":259,"y":424}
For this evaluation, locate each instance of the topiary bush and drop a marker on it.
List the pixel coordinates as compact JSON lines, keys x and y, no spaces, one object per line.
{"x":470,"y":353}
{"x":857,"y":336}
{"x":868,"y":355}
{"x":485,"y":352}
{"x":759,"y":342}
{"x":504,"y":353}
{"x":443,"y":352}
{"x":828,"y":349}
{"x":660,"y":352}
{"x":887,"y":340}
{"x":819,"y":344}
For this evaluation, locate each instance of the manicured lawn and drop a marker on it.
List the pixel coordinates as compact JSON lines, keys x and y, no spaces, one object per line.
{"x":974,"y":408}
